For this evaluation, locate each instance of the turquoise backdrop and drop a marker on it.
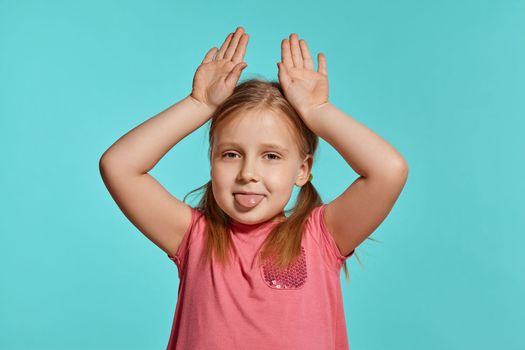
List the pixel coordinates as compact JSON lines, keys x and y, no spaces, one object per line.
{"x":442,"y":81}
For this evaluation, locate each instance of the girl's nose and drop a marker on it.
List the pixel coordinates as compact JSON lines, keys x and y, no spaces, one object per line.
{"x":248,"y":172}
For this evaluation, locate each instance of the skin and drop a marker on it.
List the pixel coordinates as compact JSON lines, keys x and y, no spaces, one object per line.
{"x":350,"y":218}
{"x":216,"y":77}
{"x":248,"y":169}
{"x":252,"y":167}
{"x":366,"y":202}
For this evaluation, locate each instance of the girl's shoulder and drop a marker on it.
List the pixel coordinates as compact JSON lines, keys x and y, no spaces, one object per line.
{"x":196,"y":227}
{"x":316,"y":228}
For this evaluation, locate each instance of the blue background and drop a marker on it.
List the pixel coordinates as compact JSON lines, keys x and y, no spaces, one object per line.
{"x":443,"y":82}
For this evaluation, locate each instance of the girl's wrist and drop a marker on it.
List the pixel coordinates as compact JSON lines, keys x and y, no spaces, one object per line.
{"x":206,"y":109}
{"x":307,"y":113}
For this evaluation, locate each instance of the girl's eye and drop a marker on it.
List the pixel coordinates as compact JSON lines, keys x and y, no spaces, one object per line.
{"x":273,"y":155}
{"x":226,"y":155}
{"x":232,"y":155}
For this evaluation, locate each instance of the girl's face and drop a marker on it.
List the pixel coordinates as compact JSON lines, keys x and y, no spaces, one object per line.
{"x":256,"y":153}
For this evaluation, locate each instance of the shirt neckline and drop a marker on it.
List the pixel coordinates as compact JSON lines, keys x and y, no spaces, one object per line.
{"x":239,"y":227}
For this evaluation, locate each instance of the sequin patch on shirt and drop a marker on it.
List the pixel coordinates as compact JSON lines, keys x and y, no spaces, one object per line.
{"x":293,"y":277}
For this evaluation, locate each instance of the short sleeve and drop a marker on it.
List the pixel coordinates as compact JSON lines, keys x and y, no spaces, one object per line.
{"x":180,"y":256}
{"x":324,"y":238}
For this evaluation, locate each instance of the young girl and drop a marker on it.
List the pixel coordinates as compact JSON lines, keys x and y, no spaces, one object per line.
{"x":252,"y":277}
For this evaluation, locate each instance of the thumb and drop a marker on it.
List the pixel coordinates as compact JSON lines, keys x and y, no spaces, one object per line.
{"x":235,"y":73}
{"x":284,"y":79}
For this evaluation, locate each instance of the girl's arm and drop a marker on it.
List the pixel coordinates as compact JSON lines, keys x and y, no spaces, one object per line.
{"x":124,"y":167}
{"x":361,"y":208}
{"x":140,"y":149}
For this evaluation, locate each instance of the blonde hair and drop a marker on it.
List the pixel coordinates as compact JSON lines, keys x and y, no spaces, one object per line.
{"x":284,"y":242}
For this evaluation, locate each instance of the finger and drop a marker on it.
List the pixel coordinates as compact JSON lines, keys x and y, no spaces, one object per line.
{"x":238,"y":56}
{"x":321,"y":67}
{"x":286,"y":54}
{"x":296,"y":51}
{"x":233,"y":43}
{"x":224,"y":46}
{"x":284,"y":78}
{"x":233,"y":76}
{"x":307,"y":59}
{"x":209,"y":55}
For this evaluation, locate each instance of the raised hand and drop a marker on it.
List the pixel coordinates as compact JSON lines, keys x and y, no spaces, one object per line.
{"x":303,"y":87}
{"x":217,"y":76}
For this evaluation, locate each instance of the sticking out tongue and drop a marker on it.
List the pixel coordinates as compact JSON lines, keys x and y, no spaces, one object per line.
{"x":248,"y":200}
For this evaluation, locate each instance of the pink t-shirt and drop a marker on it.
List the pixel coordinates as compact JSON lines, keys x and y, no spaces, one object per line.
{"x":251,"y":306}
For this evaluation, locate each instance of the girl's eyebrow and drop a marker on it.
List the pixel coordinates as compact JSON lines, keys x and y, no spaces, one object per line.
{"x":264,"y":145}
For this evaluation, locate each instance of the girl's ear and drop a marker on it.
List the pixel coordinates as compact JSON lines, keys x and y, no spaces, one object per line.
{"x":303,"y":174}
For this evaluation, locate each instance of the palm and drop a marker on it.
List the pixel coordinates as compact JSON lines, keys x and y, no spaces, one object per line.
{"x":303,"y":87}
{"x":216,"y":77}
{"x":210,"y":84}
{"x":306,"y":88}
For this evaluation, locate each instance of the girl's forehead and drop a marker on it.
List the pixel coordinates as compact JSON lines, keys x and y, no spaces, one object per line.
{"x":256,"y":125}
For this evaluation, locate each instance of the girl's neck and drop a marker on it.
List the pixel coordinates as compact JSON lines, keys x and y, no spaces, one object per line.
{"x":239,"y":226}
